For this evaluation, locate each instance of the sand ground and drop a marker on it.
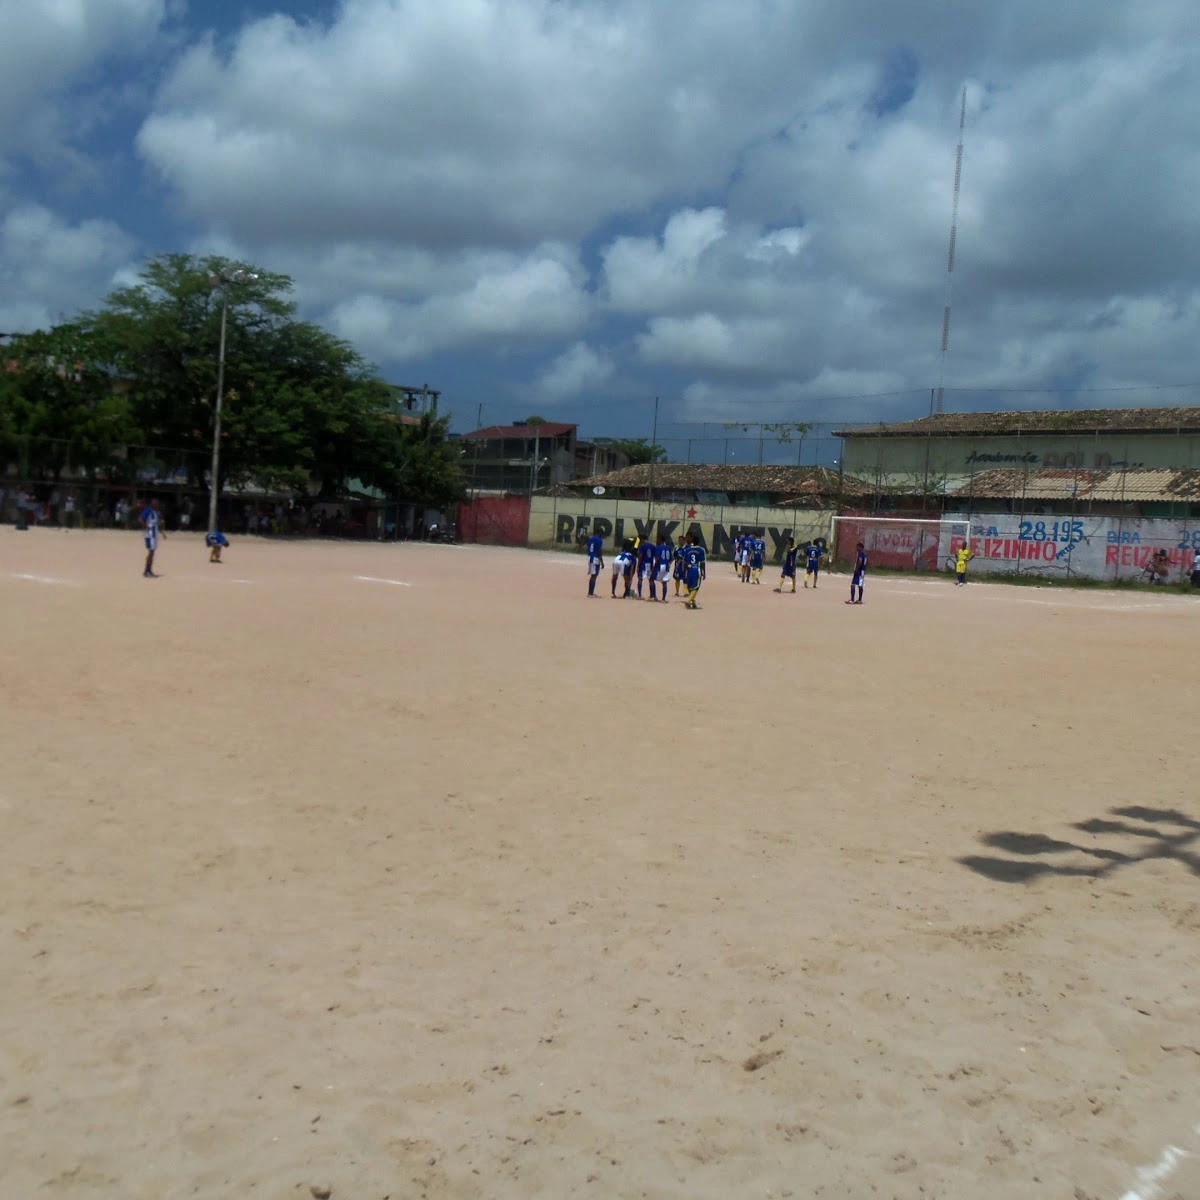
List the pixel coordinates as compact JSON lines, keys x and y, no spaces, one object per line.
{"x":475,"y":888}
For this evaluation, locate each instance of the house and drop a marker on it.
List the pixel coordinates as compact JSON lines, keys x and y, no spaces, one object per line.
{"x":519,"y":457}
{"x":941,"y":453}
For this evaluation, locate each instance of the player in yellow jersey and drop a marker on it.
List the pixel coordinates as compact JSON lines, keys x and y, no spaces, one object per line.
{"x":961,"y":558}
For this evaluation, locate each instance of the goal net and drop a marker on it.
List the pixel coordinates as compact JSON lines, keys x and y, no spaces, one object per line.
{"x":898,"y":543}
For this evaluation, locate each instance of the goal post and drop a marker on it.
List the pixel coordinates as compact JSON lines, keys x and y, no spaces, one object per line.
{"x":899,"y":543}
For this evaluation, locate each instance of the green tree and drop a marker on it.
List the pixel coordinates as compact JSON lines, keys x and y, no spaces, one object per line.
{"x":61,"y":407}
{"x":639,"y":450}
{"x":299,"y":406}
{"x":164,"y":332}
{"x":417,"y":463}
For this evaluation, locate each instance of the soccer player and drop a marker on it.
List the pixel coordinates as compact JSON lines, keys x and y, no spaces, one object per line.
{"x":758,"y":554}
{"x":738,"y":542}
{"x":812,"y":567}
{"x":647,"y":556}
{"x":216,"y":542}
{"x":663,"y":559}
{"x":694,"y":565}
{"x":623,"y":565}
{"x":744,"y":558}
{"x":961,"y":558}
{"x":789,"y":565}
{"x":859,"y":578}
{"x":595,"y":564}
{"x":150,"y":521}
{"x":680,"y":547}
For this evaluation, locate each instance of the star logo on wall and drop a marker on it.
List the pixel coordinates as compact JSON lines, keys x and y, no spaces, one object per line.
{"x":691,"y":513}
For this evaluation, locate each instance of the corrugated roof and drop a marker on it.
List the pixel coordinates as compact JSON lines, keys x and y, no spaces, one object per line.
{"x":795,"y":482}
{"x":547,"y":429}
{"x":1073,"y":420}
{"x":1136,"y":484}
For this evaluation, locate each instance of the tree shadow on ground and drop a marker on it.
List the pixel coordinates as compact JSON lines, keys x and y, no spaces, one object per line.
{"x":1162,"y":833}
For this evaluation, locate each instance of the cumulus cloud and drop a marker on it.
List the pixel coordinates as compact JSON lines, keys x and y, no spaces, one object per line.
{"x":507,"y":299}
{"x":51,"y":268}
{"x":577,"y":370}
{"x":762,"y":192}
{"x":47,"y":48}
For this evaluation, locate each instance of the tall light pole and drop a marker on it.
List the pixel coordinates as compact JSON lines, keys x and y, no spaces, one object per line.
{"x":222,"y":280}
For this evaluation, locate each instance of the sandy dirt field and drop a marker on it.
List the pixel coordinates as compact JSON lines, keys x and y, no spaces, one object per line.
{"x":465,"y":886}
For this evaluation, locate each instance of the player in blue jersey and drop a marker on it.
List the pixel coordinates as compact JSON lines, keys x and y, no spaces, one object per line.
{"x":789,"y":565}
{"x":677,"y":572}
{"x":859,"y":578}
{"x":595,"y":563}
{"x":216,"y":542}
{"x":647,"y":554}
{"x":623,"y":567}
{"x":663,"y":556}
{"x":150,"y":520}
{"x":694,"y":569}
{"x":758,"y":555}
{"x":813,"y":552}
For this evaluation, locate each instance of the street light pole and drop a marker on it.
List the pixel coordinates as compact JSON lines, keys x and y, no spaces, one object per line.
{"x":221,"y":280}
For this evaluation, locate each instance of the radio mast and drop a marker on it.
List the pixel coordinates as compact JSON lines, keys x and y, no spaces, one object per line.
{"x":937,"y":405}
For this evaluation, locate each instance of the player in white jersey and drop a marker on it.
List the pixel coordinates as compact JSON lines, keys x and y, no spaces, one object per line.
{"x":151,"y":521}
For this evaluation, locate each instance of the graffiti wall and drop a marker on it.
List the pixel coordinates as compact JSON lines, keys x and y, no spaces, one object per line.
{"x":1094,"y":547}
{"x":563,"y":523}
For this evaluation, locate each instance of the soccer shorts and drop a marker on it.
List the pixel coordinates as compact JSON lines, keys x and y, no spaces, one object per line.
{"x":593,"y":566}
{"x":858,"y":580}
{"x":151,"y":540}
{"x":664,"y":573}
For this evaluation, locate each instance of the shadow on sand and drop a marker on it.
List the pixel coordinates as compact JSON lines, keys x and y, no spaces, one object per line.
{"x":1160,"y":833}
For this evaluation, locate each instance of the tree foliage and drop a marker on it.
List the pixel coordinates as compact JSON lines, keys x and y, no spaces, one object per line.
{"x":639,"y":450}
{"x":60,"y":407}
{"x":300,"y":407}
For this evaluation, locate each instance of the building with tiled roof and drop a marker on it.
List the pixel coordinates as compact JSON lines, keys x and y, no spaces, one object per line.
{"x":945,"y":452}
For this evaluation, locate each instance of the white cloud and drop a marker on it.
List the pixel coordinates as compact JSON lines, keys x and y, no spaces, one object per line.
{"x":518,"y":299}
{"x":49,"y":46}
{"x":577,"y":370}
{"x":764,"y":190}
{"x":51,"y":268}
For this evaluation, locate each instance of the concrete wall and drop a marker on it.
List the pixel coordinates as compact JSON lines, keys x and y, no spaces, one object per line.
{"x":1106,"y":548}
{"x":558,"y":523}
{"x":898,"y":460}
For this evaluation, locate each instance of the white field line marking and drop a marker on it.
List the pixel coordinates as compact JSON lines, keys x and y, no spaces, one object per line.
{"x":376,"y":579}
{"x":1151,"y":1180}
{"x":46,"y":579}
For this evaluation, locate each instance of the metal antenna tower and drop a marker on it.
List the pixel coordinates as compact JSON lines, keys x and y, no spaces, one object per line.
{"x":962,"y":121}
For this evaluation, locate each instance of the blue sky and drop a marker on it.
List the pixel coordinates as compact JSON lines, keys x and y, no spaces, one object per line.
{"x":570,"y":206}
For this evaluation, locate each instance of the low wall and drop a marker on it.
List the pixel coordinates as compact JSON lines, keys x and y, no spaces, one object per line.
{"x":495,"y":520}
{"x":1104,"y":548}
{"x":1093,"y":547}
{"x":562,"y":523}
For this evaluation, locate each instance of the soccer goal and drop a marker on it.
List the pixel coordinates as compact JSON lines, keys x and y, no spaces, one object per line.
{"x":899,"y":543}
